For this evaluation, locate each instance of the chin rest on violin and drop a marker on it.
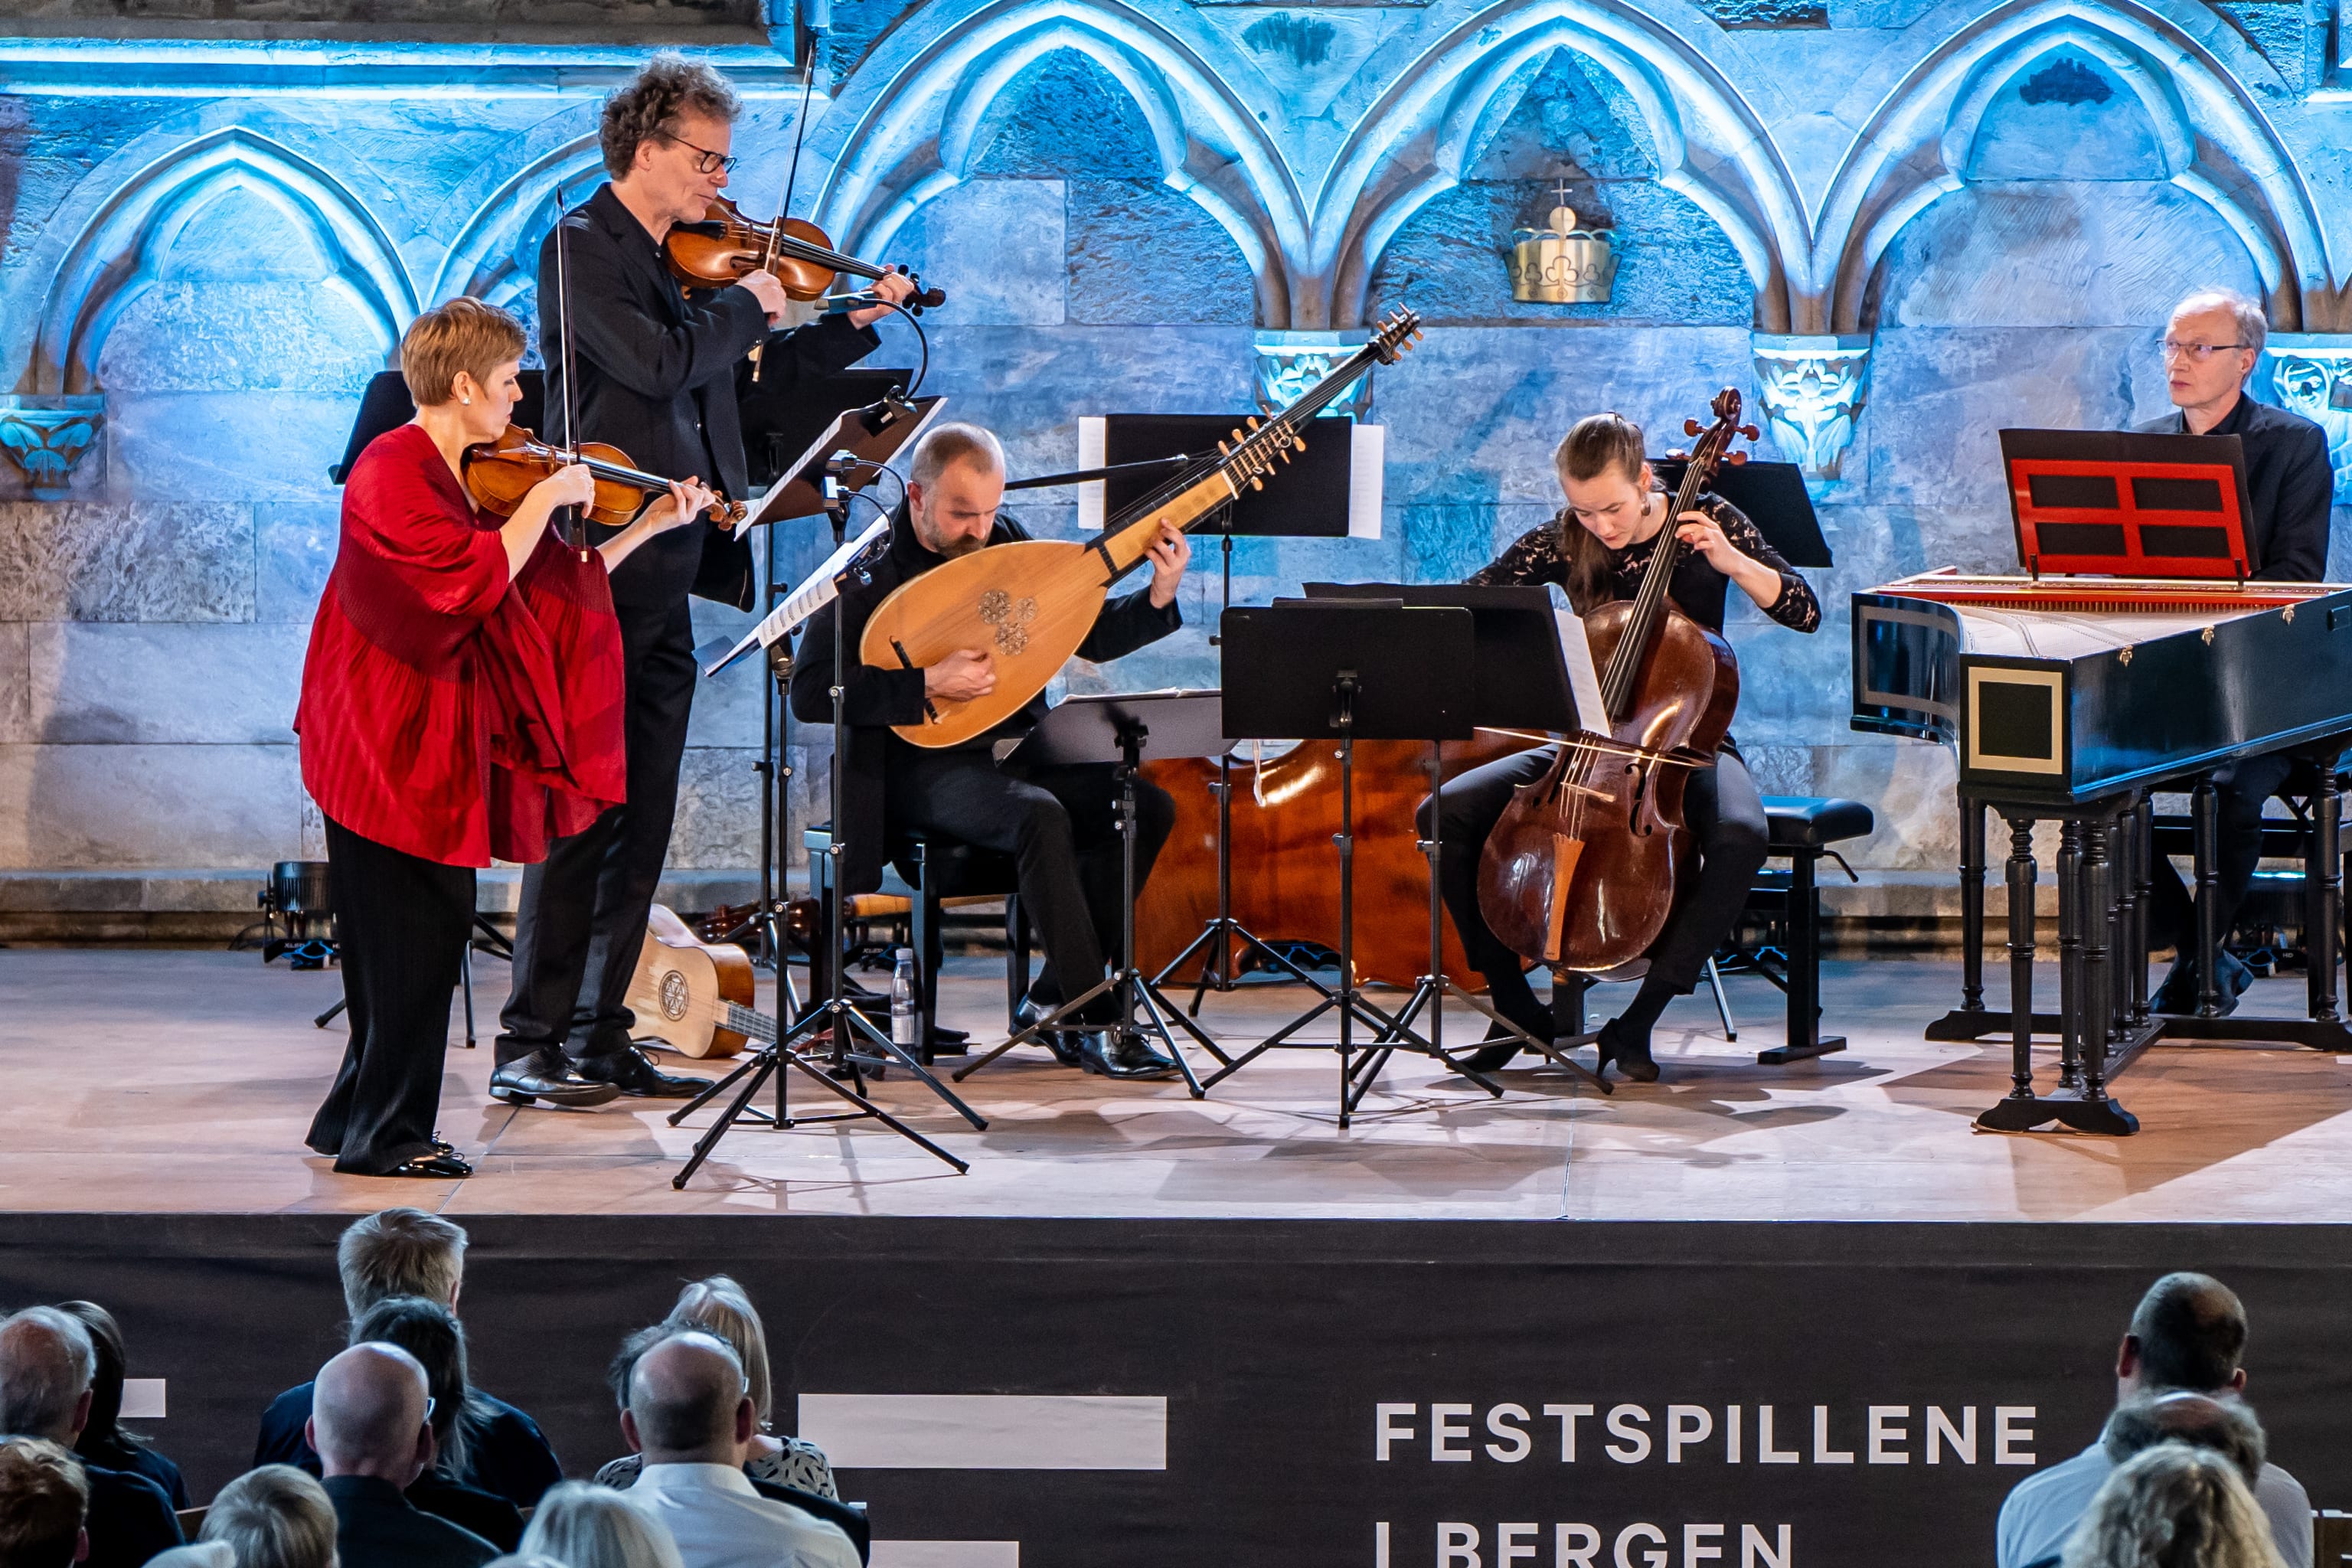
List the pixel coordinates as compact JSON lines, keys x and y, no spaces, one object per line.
{"x":499,"y":473}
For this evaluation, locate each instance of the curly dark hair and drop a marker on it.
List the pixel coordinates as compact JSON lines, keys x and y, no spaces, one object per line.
{"x":669,"y":86}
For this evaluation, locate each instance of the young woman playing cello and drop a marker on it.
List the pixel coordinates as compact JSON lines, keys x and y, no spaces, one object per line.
{"x":1598,"y":549}
{"x":461,"y":700}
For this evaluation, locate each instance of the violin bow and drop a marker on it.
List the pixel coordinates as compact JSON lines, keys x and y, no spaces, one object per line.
{"x":576,"y":531}
{"x":784,"y":207}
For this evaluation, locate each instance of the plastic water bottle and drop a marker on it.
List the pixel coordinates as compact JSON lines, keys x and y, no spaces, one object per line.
{"x":905,"y":1028}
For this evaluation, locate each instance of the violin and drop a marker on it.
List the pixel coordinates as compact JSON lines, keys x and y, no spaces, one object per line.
{"x":725,"y":245}
{"x":499,"y":473}
{"x":1581,"y":870}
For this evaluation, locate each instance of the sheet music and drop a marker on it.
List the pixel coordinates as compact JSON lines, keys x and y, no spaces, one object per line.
{"x":828,"y":439}
{"x":1576,"y":652}
{"x":818,"y":590}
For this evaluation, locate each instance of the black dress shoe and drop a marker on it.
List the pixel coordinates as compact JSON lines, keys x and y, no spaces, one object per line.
{"x":546,"y":1075}
{"x":632,"y":1073}
{"x":2178,"y":994}
{"x":1062,"y":1042}
{"x":434,"y":1166}
{"x":1122,"y":1053}
{"x":1632,"y":1055}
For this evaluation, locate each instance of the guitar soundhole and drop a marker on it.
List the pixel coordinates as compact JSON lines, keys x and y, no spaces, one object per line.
{"x":675,"y":996}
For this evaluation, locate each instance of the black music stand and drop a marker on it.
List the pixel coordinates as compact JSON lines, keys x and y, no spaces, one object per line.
{"x":1519,"y":681}
{"x":1317,"y":504}
{"x":1373,"y":670}
{"x":1125,"y":731}
{"x":1773,"y":496}
{"x":840,"y":480}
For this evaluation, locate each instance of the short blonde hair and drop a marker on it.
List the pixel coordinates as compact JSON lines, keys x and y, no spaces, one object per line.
{"x":399,"y":1251}
{"x":465,"y":333}
{"x":588,"y":1526}
{"x":48,"y":1498}
{"x":719,"y":1306}
{"x":275,"y":1517}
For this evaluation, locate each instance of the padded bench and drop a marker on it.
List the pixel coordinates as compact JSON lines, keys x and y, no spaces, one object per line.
{"x":1804,"y":830}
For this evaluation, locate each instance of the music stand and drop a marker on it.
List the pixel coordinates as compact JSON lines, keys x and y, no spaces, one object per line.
{"x":1336,"y":494}
{"x":1328,"y":669}
{"x":840,"y":478}
{"x":1125,"y":731}
{"x":1773,"y":496}
{"x":1518,"y":680}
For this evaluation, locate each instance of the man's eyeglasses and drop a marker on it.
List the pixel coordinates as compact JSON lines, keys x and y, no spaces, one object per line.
{"x":2199,"y":352}
{"x":707,"y":161}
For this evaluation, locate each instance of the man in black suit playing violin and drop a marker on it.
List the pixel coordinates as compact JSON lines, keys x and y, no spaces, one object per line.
{"x":654,"y":370}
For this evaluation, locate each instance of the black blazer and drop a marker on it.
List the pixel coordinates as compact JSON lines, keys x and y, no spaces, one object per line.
{"x":875,"y":699}
{"x":656,"y":371}
{"x":130,"y":1519}
{"x":850,"y":1517}
{"x":506,"y":1453}
{"x":2289,"y":486}
{"x":375,"y":1527}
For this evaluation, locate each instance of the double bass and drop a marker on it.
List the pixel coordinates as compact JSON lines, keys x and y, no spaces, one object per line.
{"x":1581,"y":870}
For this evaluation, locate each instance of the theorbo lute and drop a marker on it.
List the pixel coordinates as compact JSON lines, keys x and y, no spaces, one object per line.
{"x":1030,"y":603}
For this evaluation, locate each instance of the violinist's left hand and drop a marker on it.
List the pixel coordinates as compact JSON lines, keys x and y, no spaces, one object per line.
{"x":688,"y":498}
{"x":1704,"y":535}
{"x":896,"y":287}
{"x":1170,"y":554}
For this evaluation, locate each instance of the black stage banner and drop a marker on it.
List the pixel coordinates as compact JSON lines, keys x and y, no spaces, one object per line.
{"x":1419,"y":1394}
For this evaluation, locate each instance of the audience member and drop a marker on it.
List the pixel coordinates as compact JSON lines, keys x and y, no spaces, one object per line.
{"x":103,"y":1441}
{"x":2187,"y":1335}
{"x":197,"y":1554}
{"x":46,"y":1363}
{"x":44,"y":1504}
{"x":275,"y":1517}
{"x":584,"y":1526}
{"x":431,"y":1333}
{"x":2173,"y":1506}
{"x":720,"y":1306}
{"x":2227,"y":1427}
{"x":407,"y":1252}
{"x":371,"y":1424}
{"x":691,"y":1416}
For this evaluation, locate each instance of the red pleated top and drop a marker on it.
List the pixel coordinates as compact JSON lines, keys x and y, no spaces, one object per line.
{"x":443,"y":715}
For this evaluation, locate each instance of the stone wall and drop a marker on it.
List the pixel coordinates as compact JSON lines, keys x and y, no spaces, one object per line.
{"x":1897,"y":226}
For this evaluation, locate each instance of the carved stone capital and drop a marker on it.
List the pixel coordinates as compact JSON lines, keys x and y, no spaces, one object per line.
{"x":1288,"y":363}
{"x":48,"y":435}
{"x":2311,"y":372}
{"x":1813,"y":388}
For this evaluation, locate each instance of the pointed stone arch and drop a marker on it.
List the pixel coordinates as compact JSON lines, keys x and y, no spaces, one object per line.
{"x":113,"y":256}
{"x":906,"y":128}
{"x":494,"y":255}
{"x":1420,"y":137}
{"x":2195,"y":85}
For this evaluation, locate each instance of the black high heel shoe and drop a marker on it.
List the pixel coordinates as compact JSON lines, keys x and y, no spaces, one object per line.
{"x":1632,"y":1055}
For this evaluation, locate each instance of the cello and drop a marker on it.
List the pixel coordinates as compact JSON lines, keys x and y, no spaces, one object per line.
{"x":1581,"y":870}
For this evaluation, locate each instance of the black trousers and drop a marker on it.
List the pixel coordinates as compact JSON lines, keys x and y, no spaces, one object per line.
{"x":403,"y":923}
{"x":1060,"y":826}
{"x":1724,"y":813}
{"x":582,"y":922}
{"x":2242,"y":788}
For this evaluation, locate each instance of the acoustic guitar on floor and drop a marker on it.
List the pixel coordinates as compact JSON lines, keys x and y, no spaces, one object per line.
{"x":694,"y":996}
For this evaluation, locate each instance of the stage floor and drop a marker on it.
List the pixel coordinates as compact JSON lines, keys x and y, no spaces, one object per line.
{"x":176,"y":1081}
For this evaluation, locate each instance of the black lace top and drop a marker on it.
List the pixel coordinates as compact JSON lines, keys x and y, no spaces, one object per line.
{"x":1539,"y":556}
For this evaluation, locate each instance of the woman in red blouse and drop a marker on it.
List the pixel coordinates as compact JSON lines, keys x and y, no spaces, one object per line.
{"x":461,"y":700}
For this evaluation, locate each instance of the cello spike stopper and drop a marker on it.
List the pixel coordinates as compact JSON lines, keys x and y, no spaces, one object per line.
{"x":1690,"y":427}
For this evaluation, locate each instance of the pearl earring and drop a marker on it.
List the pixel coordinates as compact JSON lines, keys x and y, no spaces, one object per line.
{"x":467,"y":401}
